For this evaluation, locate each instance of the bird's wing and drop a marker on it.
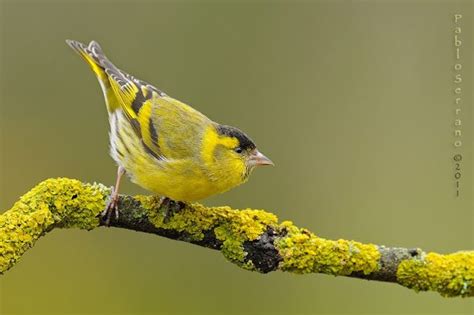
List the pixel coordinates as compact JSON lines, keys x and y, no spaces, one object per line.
{"x":168,"y":128}
{"x":136,"y":98}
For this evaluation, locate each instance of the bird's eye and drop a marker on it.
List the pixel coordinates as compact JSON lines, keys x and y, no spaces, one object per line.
{"x":238,"y":150}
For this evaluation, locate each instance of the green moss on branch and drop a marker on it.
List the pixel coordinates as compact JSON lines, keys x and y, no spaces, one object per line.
{"x":252,"y":239}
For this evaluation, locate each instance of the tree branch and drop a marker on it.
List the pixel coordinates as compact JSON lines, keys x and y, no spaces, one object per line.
{"x":252,"y":239}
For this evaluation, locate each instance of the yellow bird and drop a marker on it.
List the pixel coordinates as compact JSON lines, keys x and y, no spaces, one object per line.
{"x":164,"y":145}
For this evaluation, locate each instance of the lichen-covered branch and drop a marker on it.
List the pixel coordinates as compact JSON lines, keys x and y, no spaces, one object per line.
{"x":252,"y":239}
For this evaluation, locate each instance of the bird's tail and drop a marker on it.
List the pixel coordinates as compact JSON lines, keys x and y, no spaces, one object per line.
{"x":99,"y":64}
{"x":92,"y":54}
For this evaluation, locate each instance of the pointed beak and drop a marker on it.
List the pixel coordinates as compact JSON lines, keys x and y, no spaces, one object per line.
{"x":258,"y":159}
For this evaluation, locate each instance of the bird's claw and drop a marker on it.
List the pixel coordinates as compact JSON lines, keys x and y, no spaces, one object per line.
{"x":111,"y":208}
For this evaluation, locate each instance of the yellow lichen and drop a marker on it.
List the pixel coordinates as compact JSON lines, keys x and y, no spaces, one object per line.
{"x":58,"y":202}
{"x":232,"y":227}
{"x":304,"y":252}
{"x":451,"y":275}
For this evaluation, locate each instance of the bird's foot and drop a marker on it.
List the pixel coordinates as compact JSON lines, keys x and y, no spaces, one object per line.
{"x":170,"y":207}
{"x":111,"y":209}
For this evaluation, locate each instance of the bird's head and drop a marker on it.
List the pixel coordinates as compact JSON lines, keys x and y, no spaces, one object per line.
{"x":235,"y":153}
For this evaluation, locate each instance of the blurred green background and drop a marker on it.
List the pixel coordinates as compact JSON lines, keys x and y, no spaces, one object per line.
{"x":352,"y":100}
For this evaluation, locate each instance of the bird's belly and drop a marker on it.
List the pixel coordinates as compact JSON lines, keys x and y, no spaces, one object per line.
{"x":179,"y":180}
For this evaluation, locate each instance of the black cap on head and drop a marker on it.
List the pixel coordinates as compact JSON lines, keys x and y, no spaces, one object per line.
{"x":245,"y":142}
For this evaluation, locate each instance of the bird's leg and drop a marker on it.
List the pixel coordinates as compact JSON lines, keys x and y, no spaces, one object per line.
{"x":171,"y":207}
{"x":112,"y":205}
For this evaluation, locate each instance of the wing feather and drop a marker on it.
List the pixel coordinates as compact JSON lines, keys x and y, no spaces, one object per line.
{"x":135,"y":98}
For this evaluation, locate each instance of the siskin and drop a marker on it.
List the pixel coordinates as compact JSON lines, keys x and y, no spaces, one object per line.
{"x":164,"y":145}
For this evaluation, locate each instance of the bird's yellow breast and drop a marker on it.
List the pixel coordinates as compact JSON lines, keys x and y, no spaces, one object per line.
{"x":180,"y":180}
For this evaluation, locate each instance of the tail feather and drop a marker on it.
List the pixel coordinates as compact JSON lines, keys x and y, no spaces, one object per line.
{"x":87,"y":53}
{"x":100,"y":64}
{"x":102,"y":68}
{"x":97,"y":54}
